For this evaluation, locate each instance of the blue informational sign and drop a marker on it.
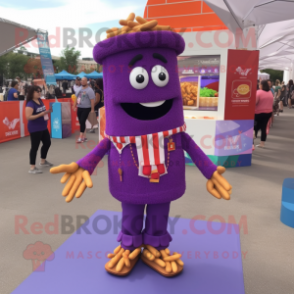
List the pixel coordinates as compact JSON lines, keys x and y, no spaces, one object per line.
{"x":56,"y":120}
{"x":46,"y":59}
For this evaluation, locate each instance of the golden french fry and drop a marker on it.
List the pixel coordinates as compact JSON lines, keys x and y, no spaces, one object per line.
{"x":210,"y":188}
{"x":179,"y":262}
{"x":81,"y":190}
{"x":68,"y":185}
{"x":117,"y":249}
{"x":123,"y":22}
{"x":149,"y":25}
{"x":140,"y":20}
{"x":125,"y":29}
{"x":153,"y":251}
{"x":120,"y":265}
{"x":127,"y":262}
{"x":112,"y":30}
{"x":163,"y":253}
{"x":64,"y":178}
{"x":110,"y":35}
{"x":116,"y":258}
{"x":67,"y":168}
{"x":131,"y":16}
{"x":168,"y":267}
{"x":160,"y":262}
{"x":87,"y":179}
{"x":161,"y":28}
{"x":167,"y":251}
{"x":174,"y":266}
{"x":173,"y":257}
{"x":127,"y":253}
{"x":110,"y":255}
{"x":135,"y":253}
{"x":148,"y":254}
{"x":133,"y":24}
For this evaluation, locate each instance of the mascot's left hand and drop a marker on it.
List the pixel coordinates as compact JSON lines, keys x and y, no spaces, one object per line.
{"x":218,"y":186}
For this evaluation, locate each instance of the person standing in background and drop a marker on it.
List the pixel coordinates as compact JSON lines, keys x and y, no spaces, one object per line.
{"x":290,"y":90}
{"x":99,"y":98}
{"x":20,"y":89}
{"x":37,"y":117}
{"x":270,"y":84}
{"x":263,"y":111}
{"x":77,"y":86}
{"x":277,"y":87}
{"x":13,"y":92}
{"x":282,"y":97}
{"x":85,"y":103}
{"x":64,"y":86}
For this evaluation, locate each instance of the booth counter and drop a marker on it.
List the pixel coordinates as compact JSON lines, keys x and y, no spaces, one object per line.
{"x":219,"y":114}
{"x":13,"y":121}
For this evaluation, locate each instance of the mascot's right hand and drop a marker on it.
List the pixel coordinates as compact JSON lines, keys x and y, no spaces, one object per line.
{"x":79,"y":180}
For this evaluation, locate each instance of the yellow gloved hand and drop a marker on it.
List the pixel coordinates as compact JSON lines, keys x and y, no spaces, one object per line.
{"x":79,"y":180}
{"x":218,"y":186}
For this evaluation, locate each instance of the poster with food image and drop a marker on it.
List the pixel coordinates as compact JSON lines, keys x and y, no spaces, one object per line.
{"x":189,"y":90}
{"x":199,"y":79}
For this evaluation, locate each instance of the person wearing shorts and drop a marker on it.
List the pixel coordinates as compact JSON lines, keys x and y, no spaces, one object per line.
{"x":85,"y":104}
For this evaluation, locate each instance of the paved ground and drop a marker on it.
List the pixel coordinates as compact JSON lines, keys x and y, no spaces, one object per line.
{"x":269,"y":262}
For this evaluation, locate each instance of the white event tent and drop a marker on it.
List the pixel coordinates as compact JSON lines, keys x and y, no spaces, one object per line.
{"x":14,"y":35}
{"x":272,"y":21}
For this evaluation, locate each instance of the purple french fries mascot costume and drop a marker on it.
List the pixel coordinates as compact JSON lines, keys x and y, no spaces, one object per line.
{"x":145,"y":143}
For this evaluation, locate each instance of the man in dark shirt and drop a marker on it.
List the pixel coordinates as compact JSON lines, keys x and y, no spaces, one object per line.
{"x":64,"y":86}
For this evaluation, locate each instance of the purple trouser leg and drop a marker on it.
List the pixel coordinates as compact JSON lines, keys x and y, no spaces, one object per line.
{"x":155,"y":232}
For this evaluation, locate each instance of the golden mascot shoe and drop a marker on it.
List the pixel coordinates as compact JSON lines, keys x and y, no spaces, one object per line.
{"x":162,"y":262}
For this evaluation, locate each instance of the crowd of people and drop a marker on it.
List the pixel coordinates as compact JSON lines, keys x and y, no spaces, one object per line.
{"x":17,"y":89}
{"x":89,"y":98}
{"x":270,"y":101}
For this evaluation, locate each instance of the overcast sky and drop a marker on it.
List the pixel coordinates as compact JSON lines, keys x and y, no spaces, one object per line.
{"x":54,"y":15}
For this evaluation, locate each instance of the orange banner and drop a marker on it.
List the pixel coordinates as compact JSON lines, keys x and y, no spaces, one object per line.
{"x":10,"y":121}
{"x":13,"y":120}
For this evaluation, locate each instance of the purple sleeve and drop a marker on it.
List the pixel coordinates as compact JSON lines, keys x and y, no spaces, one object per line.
{"x":90,"y":161}
{"x":200,"y":159}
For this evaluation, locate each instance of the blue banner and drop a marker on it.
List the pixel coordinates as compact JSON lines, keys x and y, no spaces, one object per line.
{"x":46,"y":59}
{"x":56,"y":120}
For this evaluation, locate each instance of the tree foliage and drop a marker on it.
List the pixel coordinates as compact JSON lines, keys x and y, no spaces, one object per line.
{"x":33,"y":67}
{"x":12,"y":65}
{"x":274,"y":74}
{"x":68,"y":60}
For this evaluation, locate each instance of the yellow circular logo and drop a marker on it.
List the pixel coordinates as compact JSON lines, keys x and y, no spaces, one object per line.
{"x":243,"y":89}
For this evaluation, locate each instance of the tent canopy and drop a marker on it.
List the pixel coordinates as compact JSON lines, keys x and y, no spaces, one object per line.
{"x":263,"y":75}
{"x":244,"y":14}
{"x":14,"y":35}
{"x":94,"y":75}
{"x":81,"y":74}
{"x":64,"y":75}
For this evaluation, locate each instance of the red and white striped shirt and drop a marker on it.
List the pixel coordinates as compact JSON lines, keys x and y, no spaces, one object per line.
{"x":150,"y":149}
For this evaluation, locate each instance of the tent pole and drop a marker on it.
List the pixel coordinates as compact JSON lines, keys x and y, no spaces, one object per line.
{"x":18,"y":45}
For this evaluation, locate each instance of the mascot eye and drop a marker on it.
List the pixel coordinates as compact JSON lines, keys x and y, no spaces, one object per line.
{"x":139,"y":78}
{"x":159,"y":75}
